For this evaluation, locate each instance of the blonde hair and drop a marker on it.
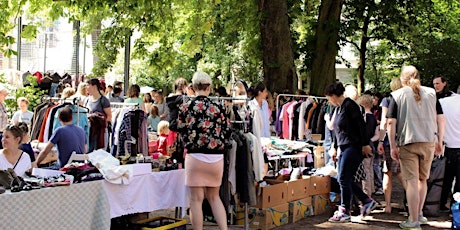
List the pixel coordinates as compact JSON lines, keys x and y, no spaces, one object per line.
{"x":82,"y":89}
{"x":163,"y":127}
{"x":395,"y":84}
{"x":351,"y":92}
{"x":67,"y":92}
{"x":365,"y":100}
{"x":23,"y":99}
{"x":410,"y":77}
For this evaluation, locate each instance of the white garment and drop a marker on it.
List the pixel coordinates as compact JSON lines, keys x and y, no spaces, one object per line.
{"x":451,"y":112}
{"x":256,"y":118}
{"x":23,"y":165}
{"x":231,"y":167}
{"x":302,"y":123}
{"x":20,"y":116}
{"x":257,"y":156}
{"x":110,"y":167}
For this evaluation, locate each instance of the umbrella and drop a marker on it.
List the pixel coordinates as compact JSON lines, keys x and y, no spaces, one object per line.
{"x":146,"y":89}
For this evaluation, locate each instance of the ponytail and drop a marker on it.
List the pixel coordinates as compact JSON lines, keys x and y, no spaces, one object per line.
{"x":415,"y":84}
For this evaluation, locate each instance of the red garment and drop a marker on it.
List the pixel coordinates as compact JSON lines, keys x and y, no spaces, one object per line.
{"x":41,"y":136}
{"x":39,"y":77}
{"x":162,"y":146}
{"x":98,"y":125}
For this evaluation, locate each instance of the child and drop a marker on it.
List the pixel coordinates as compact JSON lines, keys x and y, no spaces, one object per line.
{"x":163,"y":130}
{"x":22,"y":115}
{"x":154,"y":118}
{"x":373,"y":134}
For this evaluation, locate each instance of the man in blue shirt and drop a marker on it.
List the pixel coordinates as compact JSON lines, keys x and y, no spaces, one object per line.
{"x":68,"y":138}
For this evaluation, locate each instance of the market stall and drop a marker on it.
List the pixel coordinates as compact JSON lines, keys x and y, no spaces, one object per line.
{"x":78,"y":206}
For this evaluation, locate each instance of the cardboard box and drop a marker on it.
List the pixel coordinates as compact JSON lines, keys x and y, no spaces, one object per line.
{"x":319,"y":157}
{"x":321,"y":203}
{"x":271,"y":195}
{"x":297,"y":189}
{"x":267,"y":218}
{"x":319,"y":185}
{"x":300,"y":209}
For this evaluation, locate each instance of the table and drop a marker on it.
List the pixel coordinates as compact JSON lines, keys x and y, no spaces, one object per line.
{"x":148,"y":192}
{"x":78,"y":206}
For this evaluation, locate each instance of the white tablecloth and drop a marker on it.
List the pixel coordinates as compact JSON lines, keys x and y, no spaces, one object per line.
{"x":147,"y":193}
{"x":78,"y":206}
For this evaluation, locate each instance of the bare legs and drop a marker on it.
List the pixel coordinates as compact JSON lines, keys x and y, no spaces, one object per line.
{"x":388,"y":187}
{"x":415,"y":193}
{"x":197,"y":195}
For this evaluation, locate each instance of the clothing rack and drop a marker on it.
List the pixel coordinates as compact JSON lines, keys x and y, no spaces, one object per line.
{"x":298,"y":96}
{"x":74,"y":101}
{"x":123,"y":104}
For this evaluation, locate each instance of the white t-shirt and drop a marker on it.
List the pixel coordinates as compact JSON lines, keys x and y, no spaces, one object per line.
{"x":23,"y":165}
{"x":20,"y":116}
{"x":451,"y":112}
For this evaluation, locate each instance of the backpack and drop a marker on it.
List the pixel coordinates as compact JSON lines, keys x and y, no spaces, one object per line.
{"x":433,"y":195}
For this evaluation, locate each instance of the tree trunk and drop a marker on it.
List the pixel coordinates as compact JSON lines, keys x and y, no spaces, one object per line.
{"x":278,"y":55}
{"x":362,"y":54}
{"x":327,"y":35}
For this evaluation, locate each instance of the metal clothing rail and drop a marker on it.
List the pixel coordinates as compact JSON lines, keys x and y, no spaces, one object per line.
{"x":123,"y":104}
{"x":74,"y":101}
{"x":294,"y":95}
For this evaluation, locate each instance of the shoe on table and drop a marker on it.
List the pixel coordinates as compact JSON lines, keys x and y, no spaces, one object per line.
{"x":422,"y":220}
{"x":366,"y":209}
{"x":410,"y":225}
{"x":340,"y":216}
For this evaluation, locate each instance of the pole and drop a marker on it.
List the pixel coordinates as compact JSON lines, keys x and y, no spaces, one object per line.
{"x":77,"y":49}
{"x":84,"y":55}
{"x":127,"y":59}
{"x":44,"y":58}
{"x":18,"y":63}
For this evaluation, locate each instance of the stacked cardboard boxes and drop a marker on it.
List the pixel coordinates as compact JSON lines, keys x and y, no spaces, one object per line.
{"x":281,"y":202}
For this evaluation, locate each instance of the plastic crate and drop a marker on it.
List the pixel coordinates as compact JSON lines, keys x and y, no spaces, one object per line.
{"x":161,"y":223}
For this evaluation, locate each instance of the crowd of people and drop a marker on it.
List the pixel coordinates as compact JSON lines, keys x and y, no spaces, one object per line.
{"x":370,"y":138}
{"x":402,"y":132}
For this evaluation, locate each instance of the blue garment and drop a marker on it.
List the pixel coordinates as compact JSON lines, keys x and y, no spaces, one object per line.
{"x":153,"y":122}
{"x":348,"y":164}
{"x":68,"y":138}
{"x":81,"y":116}
{"x":53,"y":89}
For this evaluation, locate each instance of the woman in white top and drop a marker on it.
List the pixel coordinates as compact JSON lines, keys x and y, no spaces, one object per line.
{"x":11,"y":156}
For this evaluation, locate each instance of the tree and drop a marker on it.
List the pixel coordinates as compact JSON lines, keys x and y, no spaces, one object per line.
{"x":326,"y":39}
{"x":278,"y":59}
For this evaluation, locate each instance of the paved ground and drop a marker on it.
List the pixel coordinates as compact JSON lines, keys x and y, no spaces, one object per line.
{"x":376,"y":220}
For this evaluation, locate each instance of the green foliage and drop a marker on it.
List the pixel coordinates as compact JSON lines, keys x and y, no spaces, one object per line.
{"x":32,"y":93}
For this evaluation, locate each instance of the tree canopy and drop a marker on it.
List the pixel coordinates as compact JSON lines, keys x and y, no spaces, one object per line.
{"x":249,"y":40}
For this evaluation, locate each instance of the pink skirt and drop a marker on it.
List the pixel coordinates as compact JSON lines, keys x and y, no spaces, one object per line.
{"x":202,"y":174}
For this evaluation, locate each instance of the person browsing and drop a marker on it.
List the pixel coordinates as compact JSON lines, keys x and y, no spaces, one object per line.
{"x":69,"y":138}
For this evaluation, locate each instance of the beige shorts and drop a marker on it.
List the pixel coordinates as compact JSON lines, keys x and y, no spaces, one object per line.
{"x":416,"y":160}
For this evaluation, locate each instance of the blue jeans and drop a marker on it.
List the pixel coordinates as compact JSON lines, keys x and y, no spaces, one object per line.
{"x":378,"y":182}
{"x":327,"y":145}
{"x":452,"y":171}
{"x":53,"y":89}
{"x":348,"y":164}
